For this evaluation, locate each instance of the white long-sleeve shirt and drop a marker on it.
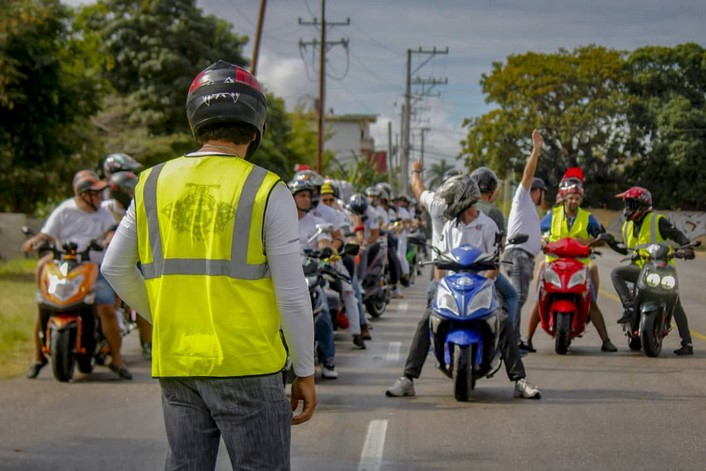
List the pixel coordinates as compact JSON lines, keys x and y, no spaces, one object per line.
{"x":282,"y":248}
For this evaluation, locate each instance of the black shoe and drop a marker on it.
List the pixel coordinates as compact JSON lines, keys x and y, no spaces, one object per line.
{"x":608,"y":346}
{"x":365,"y":332}
{"x":687,"y":349}
{"x":359,"y":342}
{"x":35,"y":368}
{"x":627,"y":316}
{"x":526,"y":346}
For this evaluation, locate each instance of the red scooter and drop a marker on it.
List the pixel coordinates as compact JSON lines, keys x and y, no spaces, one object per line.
{"x":564,"y":294}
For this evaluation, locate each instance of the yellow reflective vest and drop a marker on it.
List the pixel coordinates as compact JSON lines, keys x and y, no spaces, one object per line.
{"x":560,"y":229}
{"x":200,"y":237}
{"x":649,"y":234}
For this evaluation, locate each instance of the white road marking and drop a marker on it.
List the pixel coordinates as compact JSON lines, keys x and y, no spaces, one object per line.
{"x":371,"y":456}
{"x":393,"y":352}
{"x":402,"y":306}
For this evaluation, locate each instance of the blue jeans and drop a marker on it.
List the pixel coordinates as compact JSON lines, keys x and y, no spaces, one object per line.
{"x":509,"y":296}
{"x":324,"y":334}
{"x":251,"y":414}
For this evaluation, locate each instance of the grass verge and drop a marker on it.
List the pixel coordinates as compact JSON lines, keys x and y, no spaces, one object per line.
{"x":17,"y":310}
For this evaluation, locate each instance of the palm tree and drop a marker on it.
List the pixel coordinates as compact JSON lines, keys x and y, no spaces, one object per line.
{"x":435,"y":175}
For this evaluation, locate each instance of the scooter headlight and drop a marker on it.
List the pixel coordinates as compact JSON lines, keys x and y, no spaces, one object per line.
{"x":550,"y":276}
{"x":578,"y":278}
{"x":481,"y":301}
{"x":446,"y":300}
{"x":64,"y":288}
{"x":668,"y":282}
{"x":652,"y":280}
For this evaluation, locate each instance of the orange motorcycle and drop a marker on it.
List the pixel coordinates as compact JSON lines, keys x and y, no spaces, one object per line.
{"x":70,"y":326}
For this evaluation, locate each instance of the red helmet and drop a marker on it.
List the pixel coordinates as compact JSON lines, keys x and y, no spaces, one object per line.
{"x":638,"y":201}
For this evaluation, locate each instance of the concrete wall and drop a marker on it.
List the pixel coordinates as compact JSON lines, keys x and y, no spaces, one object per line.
{"x":11,"y":236}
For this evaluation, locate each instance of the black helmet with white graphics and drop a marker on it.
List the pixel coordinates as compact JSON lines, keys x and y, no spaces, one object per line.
{"x":460,"y":193}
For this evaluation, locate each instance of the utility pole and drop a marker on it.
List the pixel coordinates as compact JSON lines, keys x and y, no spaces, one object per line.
{"x":423,"y":131}
{"x":258,"y":37}
{"x":406,"y":109}
{"x":321,"y":108}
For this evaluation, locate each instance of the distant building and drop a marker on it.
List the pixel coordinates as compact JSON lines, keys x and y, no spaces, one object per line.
{"x":349,"y":139}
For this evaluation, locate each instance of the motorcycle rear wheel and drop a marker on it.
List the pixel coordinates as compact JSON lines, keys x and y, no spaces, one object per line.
{"x":561,"y":338}
{"x":651,"y":335}
{"x":376,"y":306}
{"x":62,"y":356}
{"x":464,"y":381}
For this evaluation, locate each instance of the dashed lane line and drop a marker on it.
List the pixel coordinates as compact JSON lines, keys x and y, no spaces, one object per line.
{"x":371,"y":456}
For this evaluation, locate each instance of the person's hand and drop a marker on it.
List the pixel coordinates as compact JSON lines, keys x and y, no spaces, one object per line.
{"x":417,"y":166}
{"x":303,"y":389}
{"x":28,"y":245}
{"x":537,"y":140}
{"x":688,"y":253}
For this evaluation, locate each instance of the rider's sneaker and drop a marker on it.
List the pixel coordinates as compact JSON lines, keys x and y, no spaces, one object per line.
{"x":526,"y":390}
{"x":328,"y":371}
{"x":526,"y":345}
{"x":687,"y":349}
{"x":121,"y":370}
{"x":402,"y":387}
{"x":608,"y":346}
{"x":35,"y":368}
{"x":396,"y":294}
{"x":359,"y":342}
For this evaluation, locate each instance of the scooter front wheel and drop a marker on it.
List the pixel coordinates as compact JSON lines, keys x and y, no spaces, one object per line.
{"x":464,"y":381}
{"x":561,"y":338}
{"x":62,"y":343}
{"x":651,"y":334}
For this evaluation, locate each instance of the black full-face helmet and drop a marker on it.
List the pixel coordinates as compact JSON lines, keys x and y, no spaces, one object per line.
{"x":225,"y":93}
{"x":486,"y":179}
{"x":119,"y":162}
{"x":122,"y":187}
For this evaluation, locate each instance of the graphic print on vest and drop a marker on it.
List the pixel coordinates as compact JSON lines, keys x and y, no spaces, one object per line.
{"x":198,"y":213}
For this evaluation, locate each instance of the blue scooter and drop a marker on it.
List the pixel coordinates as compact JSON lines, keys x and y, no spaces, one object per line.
{"x":464,"y":324}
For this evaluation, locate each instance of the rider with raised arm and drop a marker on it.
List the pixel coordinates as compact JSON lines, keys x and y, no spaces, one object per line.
{"x":643,"y":226}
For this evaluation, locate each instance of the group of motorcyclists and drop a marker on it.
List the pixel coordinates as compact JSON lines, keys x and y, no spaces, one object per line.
{"x":363,"y":237}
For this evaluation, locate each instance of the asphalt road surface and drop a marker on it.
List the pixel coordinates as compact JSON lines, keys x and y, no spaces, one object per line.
{"x":599,"y":411}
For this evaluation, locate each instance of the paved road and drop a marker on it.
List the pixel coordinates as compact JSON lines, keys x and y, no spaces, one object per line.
{"x":599,"y":410}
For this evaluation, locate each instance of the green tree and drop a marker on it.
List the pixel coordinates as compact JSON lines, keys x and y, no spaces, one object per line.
{"x":668,"y":124}
{"x":435,"y":175}
{"x":47,"y":92}
{"x":576,"y":97}
{"x":156,"y":48}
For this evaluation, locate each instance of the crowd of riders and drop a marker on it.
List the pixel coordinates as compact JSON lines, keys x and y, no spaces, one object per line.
{"x":350,"y":228}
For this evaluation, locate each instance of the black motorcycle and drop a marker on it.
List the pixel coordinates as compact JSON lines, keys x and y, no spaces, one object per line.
{"x":654,"y":297}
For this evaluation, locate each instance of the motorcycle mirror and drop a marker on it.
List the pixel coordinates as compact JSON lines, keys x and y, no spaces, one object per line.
{"x":696,"y":243}
{"x":517,"y":238}
{"x":325,"y":228}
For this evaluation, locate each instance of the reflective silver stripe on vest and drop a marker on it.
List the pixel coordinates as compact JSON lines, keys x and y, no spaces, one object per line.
{"x":237,"y":267}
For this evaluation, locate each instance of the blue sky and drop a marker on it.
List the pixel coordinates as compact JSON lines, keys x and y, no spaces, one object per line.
{"x":369,"y":76}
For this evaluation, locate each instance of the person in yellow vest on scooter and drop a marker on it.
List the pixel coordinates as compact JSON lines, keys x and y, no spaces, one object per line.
{"x":569,"y":220}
